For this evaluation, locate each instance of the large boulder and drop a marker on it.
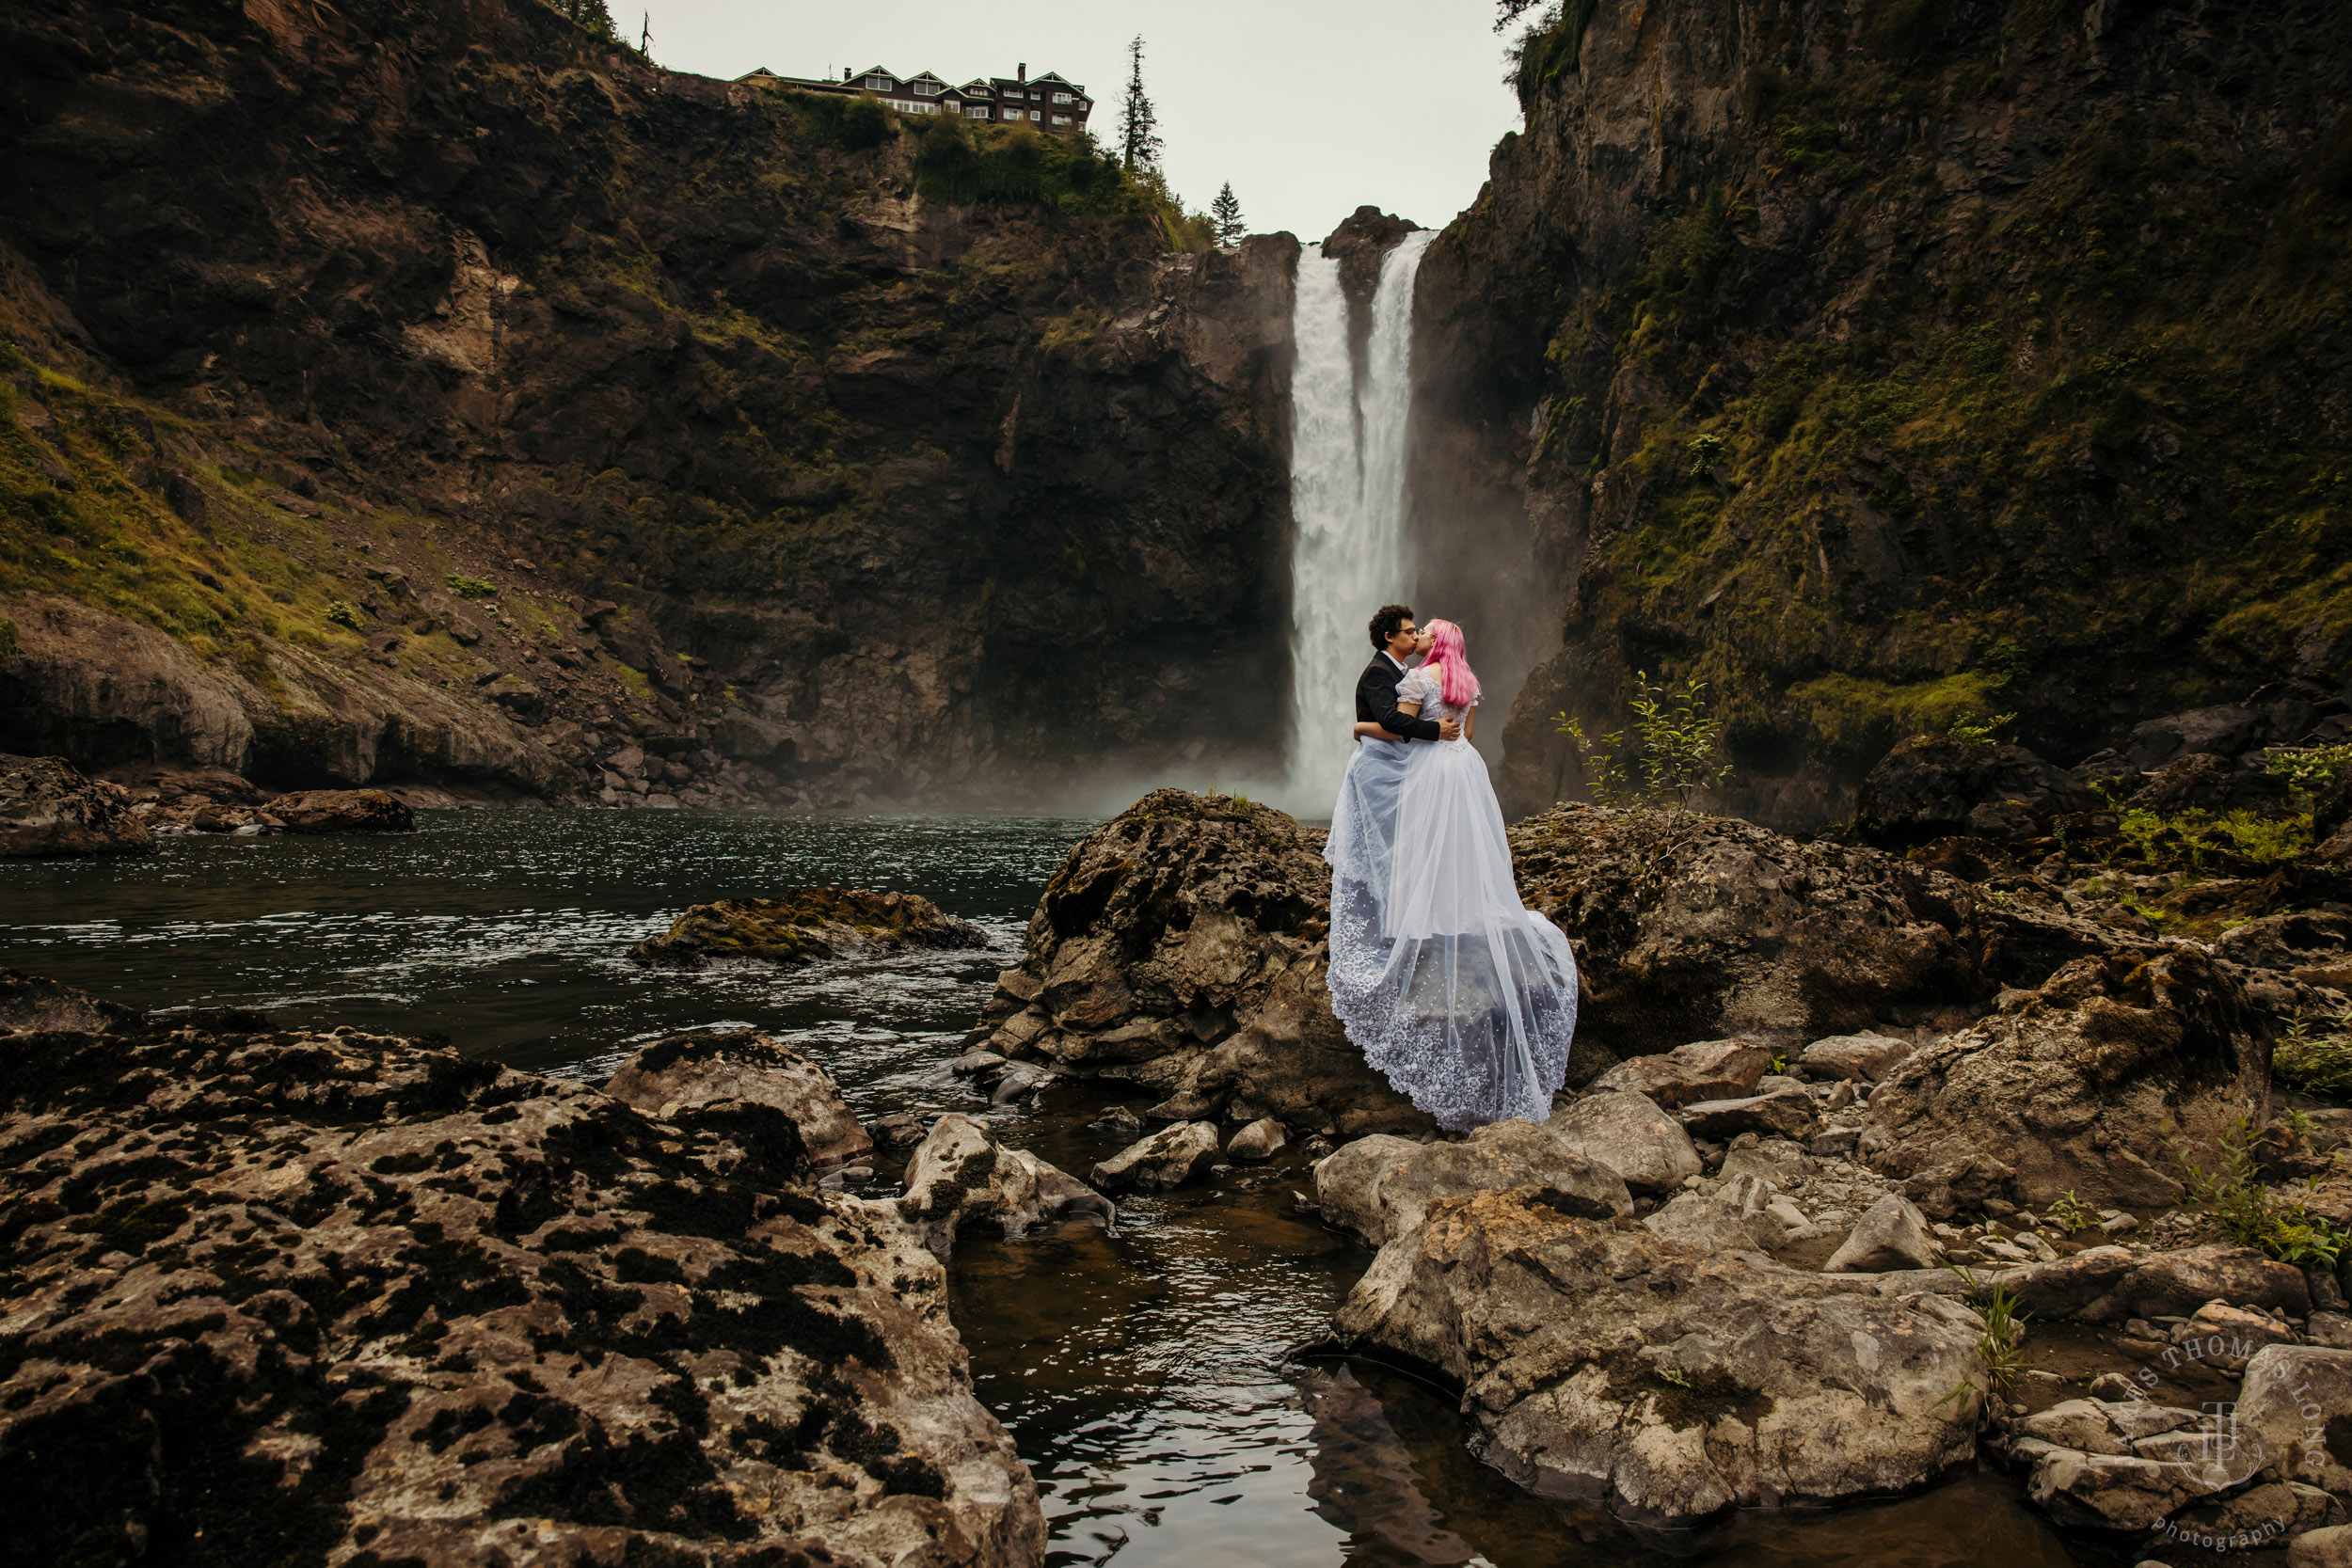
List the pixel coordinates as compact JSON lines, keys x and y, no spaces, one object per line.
{"x":343,"y":811}
{"x":1381,"y":1186}
{"x":1168,"y":1158}
{"x":1691,"y":927}
{"x":713,"y":1065}
{"x":2114,"y":1284}
{"x":364,"y":1296}
{"x":806,"y":926}
{"x":1181,"y":946}
{"x":1600,"y":1360}
{"x":2099,"y":1082}
{"x":959,"y":1178}
{"x":2204,"y":782}
{"x":1934,"y":787}
{"x":47,"y":807}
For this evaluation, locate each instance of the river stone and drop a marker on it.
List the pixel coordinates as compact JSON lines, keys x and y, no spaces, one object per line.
{"x":1168,"y":1158}
{"x":1891,"y":1234}
{"x":1629,"y":1135}
{"x":1786,"y":1113}
{"x":1703,"y":1070}
{"x":349,"y":1291}
{"x":745,"y":1065}
{"x":1787,"y":1387}
{"x":1381,"y":1186}
{"x":2095,"y":1083}
{"x":343,"y":811}
{"x":1712,"y":1224}
{"x":2296,"y":1401}
{"x":1261,"y":1141}
{"x":2228,"y":1337}
{"x":1777,"y":1161}
{"x":2113,"y":1284}
{"x":806,"y":926}
{"x":47,"y":807}
{"x":2331,"y":1547}
{"x":1864,"y":1058}
{"x":959,"y":1178}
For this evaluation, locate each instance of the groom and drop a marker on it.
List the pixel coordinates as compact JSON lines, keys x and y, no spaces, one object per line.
{"x":1395,"y":638}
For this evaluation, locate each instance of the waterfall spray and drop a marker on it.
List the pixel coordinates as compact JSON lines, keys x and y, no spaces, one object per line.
{"x":1347,"y":502}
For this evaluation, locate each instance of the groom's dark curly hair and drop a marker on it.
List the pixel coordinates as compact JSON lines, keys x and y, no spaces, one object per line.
{"x":1386,"y":620}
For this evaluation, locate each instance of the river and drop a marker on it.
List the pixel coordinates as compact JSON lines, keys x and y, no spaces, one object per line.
{"x":1144,"y":1376}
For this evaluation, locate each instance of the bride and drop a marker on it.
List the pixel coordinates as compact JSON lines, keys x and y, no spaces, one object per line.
{"x":1454,"y":988}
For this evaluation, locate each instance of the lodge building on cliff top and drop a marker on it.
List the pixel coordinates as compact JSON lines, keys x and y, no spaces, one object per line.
{"x":1047,"y":101}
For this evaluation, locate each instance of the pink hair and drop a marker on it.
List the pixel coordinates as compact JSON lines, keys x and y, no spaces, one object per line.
{"x":1456,"y":682}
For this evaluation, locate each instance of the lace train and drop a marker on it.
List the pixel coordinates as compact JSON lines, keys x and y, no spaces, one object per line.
{"x":1461,"y":996}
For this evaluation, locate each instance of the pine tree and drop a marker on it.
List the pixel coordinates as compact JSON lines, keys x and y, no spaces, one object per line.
{"x":1139,"y":122}
{"x":591,"y":14}
{"x":1226,"y":213}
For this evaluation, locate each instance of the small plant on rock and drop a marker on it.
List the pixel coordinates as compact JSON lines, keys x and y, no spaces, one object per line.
{"x":2314,"y":1057}
{"x":2309,"y":770}
{"x":343,"y":614}
{"x":2070,"y":1213}
{"x":2250,"y":1215}
{"x":1971,"y":731}
{"x":1677,"y":744}
{"x":468,"y":588}
{"x":2002,"y":1345}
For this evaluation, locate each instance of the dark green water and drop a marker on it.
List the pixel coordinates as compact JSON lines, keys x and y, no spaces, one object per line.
{"x":1143,"y":1375}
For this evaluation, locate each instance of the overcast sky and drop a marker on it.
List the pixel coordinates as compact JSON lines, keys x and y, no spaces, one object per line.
{"x":1309,"y":107}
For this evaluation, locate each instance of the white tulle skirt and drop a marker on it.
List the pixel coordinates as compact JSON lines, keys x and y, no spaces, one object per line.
{"x":1463,"y":998}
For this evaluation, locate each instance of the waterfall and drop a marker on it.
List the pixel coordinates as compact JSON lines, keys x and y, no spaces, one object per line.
{"x":1347,"y":503}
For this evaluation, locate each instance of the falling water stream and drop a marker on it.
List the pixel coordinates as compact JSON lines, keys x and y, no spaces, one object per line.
{"x":1144,"y":1375}
{"x":1347,"y":501}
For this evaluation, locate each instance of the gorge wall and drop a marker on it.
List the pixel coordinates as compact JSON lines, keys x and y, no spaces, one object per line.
{"x":1888,"y":365}
{"x":432,"y":394}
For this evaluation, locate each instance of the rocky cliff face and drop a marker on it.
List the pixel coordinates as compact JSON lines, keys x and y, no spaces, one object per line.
{"x":436,"y":395}
{"x":1887,"y":365}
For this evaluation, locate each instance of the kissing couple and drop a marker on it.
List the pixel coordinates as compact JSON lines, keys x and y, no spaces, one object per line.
{"x":1455,"y":990}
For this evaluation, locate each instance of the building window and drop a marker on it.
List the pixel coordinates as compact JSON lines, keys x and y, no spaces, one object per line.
{"x":928,"y":89}
{"x":1012,"y":114}
{"x":1011,"y":93}
{"x":1061,"y":119}
{"x":878,"y":84}
{"x":975,"y":111}
{"x":1061,"y":98}
{"x":1037,"y":114}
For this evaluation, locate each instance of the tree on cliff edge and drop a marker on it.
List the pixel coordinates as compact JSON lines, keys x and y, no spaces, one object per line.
{"x":1226,"y":213}
{"x":1139,"y":122}
{"x":591,"y":14}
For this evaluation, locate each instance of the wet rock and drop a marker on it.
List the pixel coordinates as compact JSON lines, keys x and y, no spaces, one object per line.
{"x":1862,"y":1059}
{"x":1930,"y":787}
{"x":1630,"y":1135}
{"x":1672,"y":1383}
{"x":1787,"y":1113}
{"x":1381,"y":1186}
{"x":896,"y":1132}
{"x":806,"y":926}
{"x":32,"y":1003}
{"x":1020,"y":1082}
{"x":1181,"y":947}
{"x":343,"y":811}
{"x":1256,"y":1143}
{"x":1703,"y":1070}
{"x":2086,"y":1084}
{"x":1168,"y":1158}
{"x":1891,"y":1234}
{"x":47,"y":807}
{"x":1118,"y":1120}
{"x":959,"y":1178}
{"x":750,"y":1067}
{"x":1691,"y":927}
{"x":518,"y":1298}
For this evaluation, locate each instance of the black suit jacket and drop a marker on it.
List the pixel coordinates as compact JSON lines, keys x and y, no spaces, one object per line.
{"x":1375,"y":700}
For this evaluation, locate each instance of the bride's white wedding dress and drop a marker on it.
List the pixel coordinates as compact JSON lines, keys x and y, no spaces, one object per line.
{"x":1461,"y":995}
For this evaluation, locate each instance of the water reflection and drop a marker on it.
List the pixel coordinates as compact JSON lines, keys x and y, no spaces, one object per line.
{"x":1144,"y":1376}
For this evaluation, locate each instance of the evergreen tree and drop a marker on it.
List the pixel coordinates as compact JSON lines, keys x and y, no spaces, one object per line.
{"x":1226,"y":213}
{"x":1139,"y":122}
{"x":591,"y":14}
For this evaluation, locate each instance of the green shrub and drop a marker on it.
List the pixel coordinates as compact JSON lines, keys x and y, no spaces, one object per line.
{"x":1676,"y":742}
{"x":2250,"y":1215}
{"x":1980,"y":732}
{"x":2310,"y":769}
{"x":2315,"y":1059}
{"x":468,"y":588}
{"x":1549,"y":50}
{"x":856,"y":123}
{"x":343,"y":614}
